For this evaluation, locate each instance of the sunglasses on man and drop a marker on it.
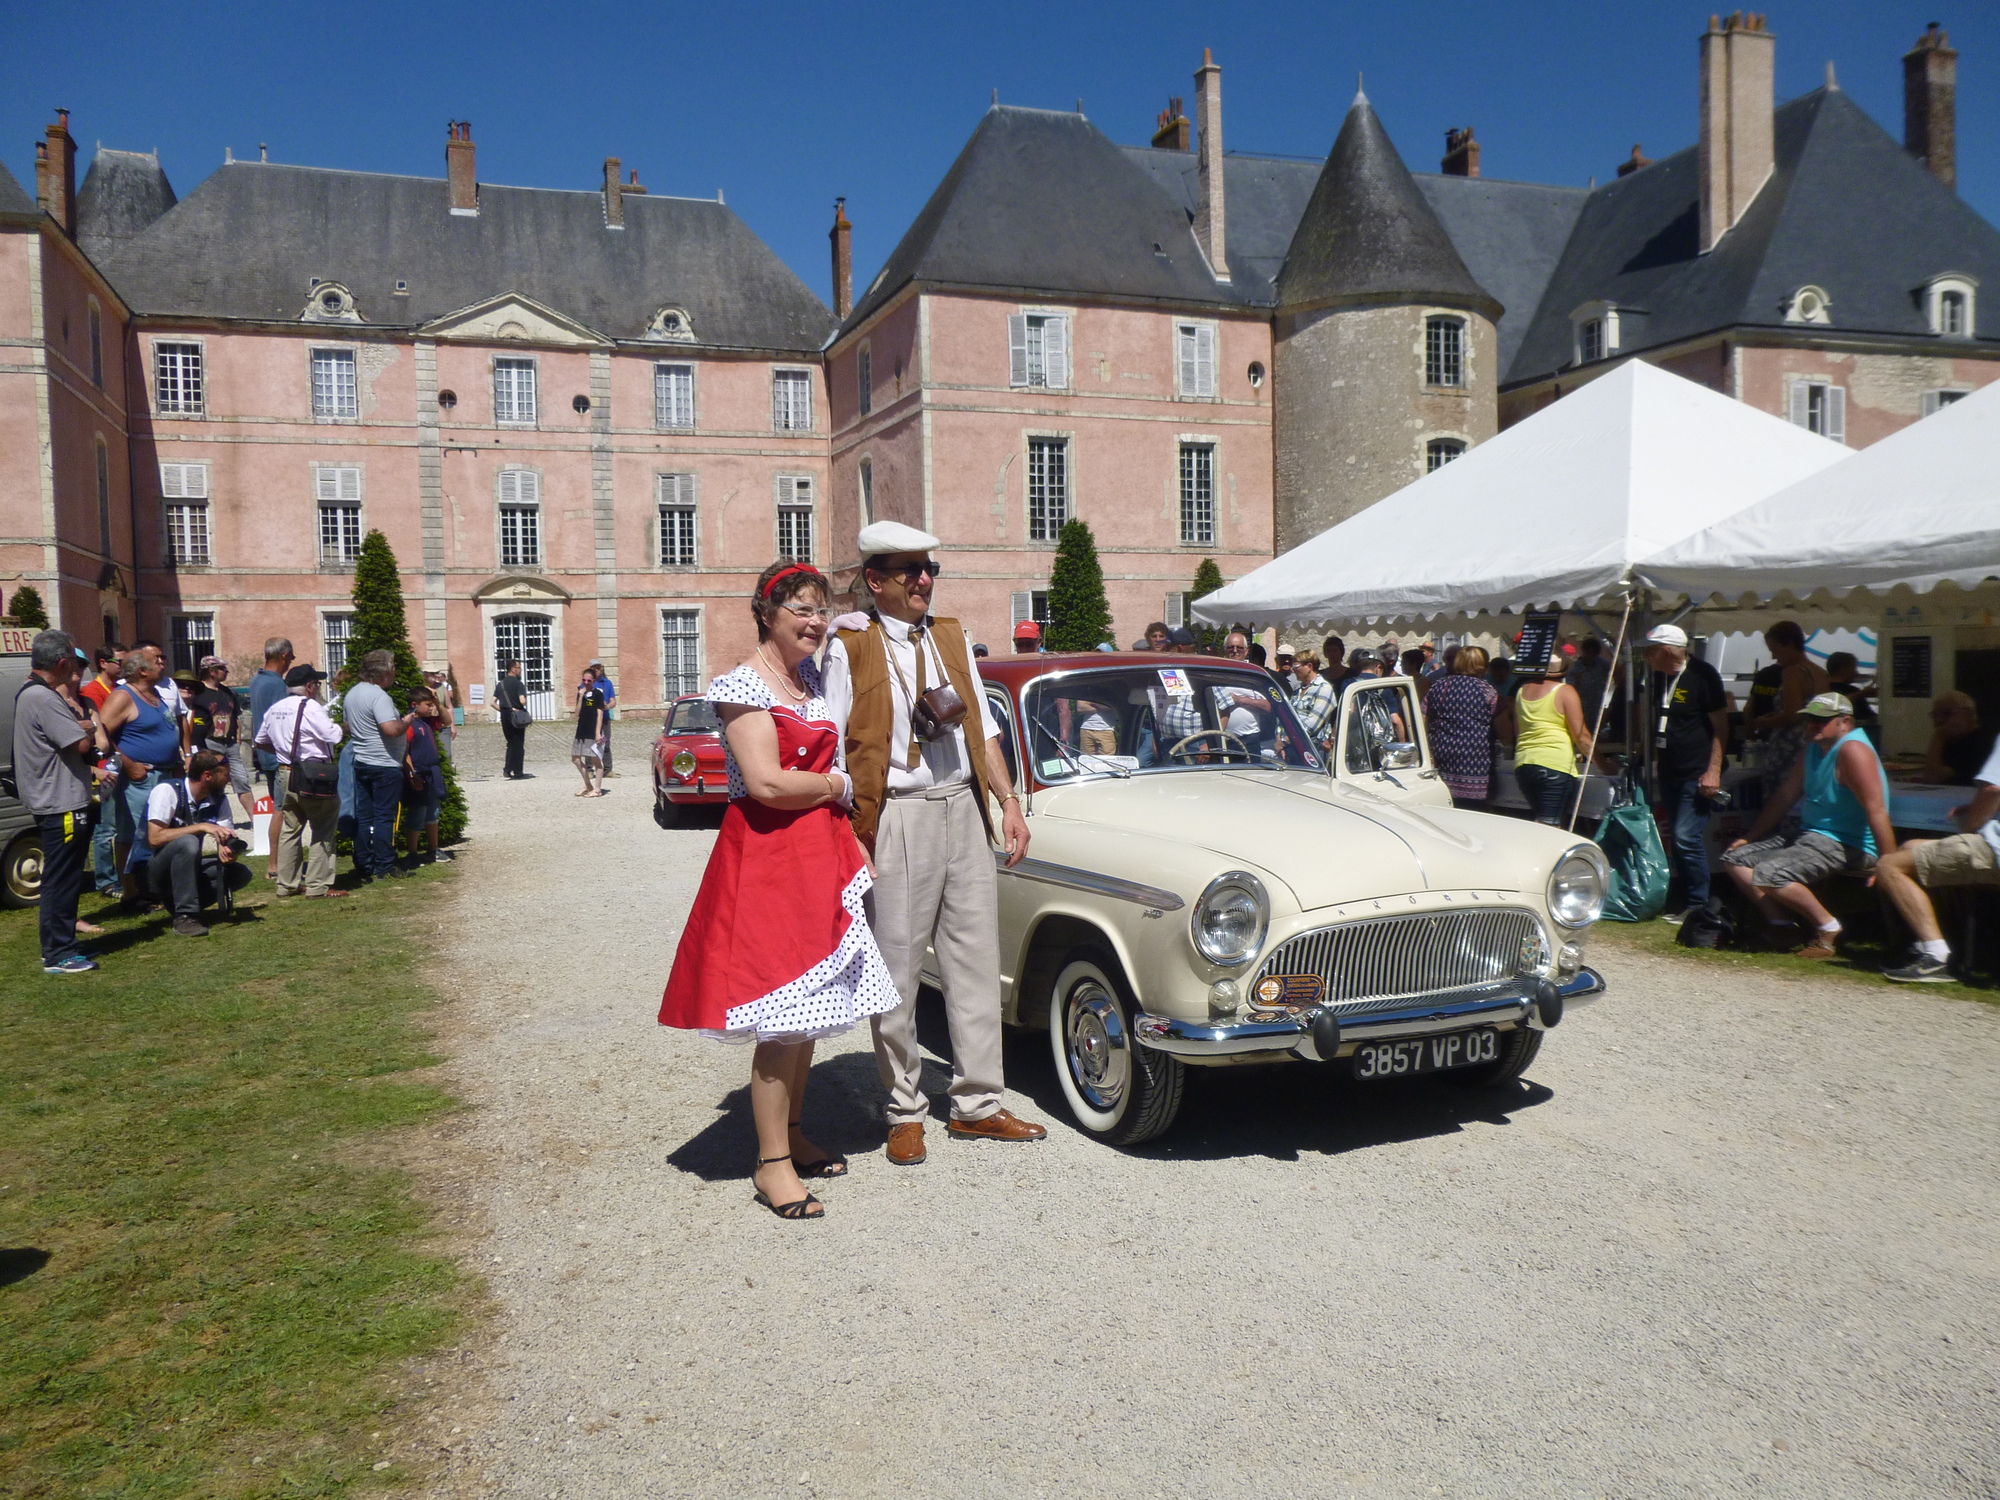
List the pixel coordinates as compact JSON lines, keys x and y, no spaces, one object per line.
{"x":910,"y":572}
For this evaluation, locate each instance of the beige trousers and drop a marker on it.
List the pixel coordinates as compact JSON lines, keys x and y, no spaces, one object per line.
{"x":306,"y":830}
{"x":934,"y":887}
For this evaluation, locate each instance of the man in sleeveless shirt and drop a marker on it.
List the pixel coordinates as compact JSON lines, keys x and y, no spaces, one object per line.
{"x":920,"y":808}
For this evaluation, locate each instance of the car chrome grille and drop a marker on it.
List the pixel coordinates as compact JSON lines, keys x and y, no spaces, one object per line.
{"x":1370,"y":964}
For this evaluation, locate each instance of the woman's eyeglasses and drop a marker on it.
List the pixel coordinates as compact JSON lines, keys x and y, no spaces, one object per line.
{"x":810,"y":612}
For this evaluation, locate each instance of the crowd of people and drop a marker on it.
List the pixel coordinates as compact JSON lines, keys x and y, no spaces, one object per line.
{"x":143,"y":787}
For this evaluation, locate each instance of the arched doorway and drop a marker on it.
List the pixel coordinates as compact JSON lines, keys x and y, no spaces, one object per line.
{"x":531,"y":638}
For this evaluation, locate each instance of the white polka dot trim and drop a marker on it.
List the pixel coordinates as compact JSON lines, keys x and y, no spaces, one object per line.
{"x":745,"y":687}
{"x":851,"y":983}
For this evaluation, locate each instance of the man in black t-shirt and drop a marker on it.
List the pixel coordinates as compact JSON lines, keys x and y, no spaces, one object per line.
{"x":1689,"y":712}
{"x":214,"y":709}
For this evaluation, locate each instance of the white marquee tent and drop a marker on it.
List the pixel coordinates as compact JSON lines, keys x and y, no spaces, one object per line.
{"x":1916,"y":509}
{"x":1558,"y":509}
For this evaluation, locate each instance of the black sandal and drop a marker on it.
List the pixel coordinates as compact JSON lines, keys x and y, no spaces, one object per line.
{"x":834,"y":1165}
{"x":793,"y":1210}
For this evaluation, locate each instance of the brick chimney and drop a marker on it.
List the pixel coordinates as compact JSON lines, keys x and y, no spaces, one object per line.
{"x":1627,"y":168}
{"x":1930,"y":105}
{"x":1738,"y":57}
{"x":614,"y":195}
{"x":55,"y":173}
{"x":1172,"y":131}
{"x":843,"y":260}
{"x":458,"y":168}
{"x":1461,"y":154}
{"x":1208,"y":216}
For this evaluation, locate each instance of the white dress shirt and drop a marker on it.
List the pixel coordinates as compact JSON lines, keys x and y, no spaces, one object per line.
{"x":944,"y":761}
{"x":319,"y":736}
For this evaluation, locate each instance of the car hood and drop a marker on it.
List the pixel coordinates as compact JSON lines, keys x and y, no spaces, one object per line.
{"x":1330,"y":842}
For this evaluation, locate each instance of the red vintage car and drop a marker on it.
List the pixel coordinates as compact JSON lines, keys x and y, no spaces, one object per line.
{"x":687,"y":761}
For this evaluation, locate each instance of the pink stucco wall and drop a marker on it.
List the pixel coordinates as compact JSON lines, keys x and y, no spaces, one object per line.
{"x":962,"y":425}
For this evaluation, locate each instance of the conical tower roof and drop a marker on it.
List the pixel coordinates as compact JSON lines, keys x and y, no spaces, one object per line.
{"x":1368,"y":235}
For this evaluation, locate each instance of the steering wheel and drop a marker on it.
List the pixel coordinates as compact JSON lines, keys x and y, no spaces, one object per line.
{"x":1215,"y":734}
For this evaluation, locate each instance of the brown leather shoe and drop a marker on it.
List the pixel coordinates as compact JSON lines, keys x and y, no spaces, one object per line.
{"x":998,"y":1126}
{"x":906,"y":1144}
{"x":1820,"y":949}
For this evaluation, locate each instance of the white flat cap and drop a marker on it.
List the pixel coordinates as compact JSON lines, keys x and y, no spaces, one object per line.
{"x":894,"y":536}
{"x":1668,"y":635}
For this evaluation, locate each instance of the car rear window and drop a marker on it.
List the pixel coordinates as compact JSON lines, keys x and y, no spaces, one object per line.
{"x":697,"y":717}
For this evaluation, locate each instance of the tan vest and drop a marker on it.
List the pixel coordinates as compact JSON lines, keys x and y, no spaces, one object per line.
{"x":871,"y":721}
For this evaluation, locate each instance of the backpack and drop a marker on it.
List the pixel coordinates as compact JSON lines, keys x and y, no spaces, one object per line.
{"x":1711,"y":925}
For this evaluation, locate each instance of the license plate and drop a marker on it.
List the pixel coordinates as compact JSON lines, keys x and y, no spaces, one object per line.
{"x":1428,"y":1054}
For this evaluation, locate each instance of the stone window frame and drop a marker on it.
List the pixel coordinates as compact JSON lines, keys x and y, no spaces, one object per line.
{"x":94,"y":330}
{"x":321,"y":614}
{"x":1198,"y":326}
{"x":1833,"y":405}
{"x":1029,"y":437}
{"x":1934,"y":401}
{"x":700,"y":637}
{"x":864,"y":379}
{"x":864,"y":488}
{"x":1017,"y":344}
{"x":1952,"y":284}
{"x":660,"y":369}
{"x":196,"y":412}
{"x":1431,"y":440}
{"x":1434,"y":317}
{"x":785,"y":504}
{"x":501,"y":505}
{"x":533,"y":365}
{"x":314,"y":350}
{"x":686,"y":497}
{"x":1213,"y":443}
{"x":328,"y":497}
{"x":188,"y":499}
{"x":799,"y":375}
{"x":1604,"y":316}
{"x":101,"y":461}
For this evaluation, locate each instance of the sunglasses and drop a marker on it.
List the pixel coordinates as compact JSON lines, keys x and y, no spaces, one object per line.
{"x":910,"y":572}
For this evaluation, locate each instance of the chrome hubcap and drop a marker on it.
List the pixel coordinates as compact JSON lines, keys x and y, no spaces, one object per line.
{"x":1100,"y":1055}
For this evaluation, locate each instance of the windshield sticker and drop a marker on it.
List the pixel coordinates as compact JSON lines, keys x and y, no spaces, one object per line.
{"x":1175,"y":681}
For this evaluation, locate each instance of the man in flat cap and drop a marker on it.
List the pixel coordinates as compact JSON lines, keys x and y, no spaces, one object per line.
{"x":923,"y":772}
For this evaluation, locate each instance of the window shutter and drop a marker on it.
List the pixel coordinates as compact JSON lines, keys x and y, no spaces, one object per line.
{"x":170,"y":481}
{"x":1204,"y":360}
{"x":1929,"y":405}
{"x":802,"y":490}
{"x":1836,"y":413}
{"x":1176,"y":611}
{"x":1017,"y":349}
{"x":1024,"y":606}
{"x":1055,"y":352}
{"x":1799,"y":410}
{"x":520,"y":487}
{"x":1184,"y":336}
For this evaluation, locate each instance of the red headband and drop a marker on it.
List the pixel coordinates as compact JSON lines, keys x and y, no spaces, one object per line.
{"x":785,"y":572}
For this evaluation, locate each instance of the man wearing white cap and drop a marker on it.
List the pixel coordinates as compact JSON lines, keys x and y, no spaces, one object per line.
{"x":924,"y":760}
{"x":1690,"y":728}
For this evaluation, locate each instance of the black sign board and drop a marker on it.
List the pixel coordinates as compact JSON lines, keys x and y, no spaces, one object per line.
{"x":1910,"y":666}
{"x":1538,"y":640}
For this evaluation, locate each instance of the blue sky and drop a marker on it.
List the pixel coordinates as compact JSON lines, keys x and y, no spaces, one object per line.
{"x":783,"y":107}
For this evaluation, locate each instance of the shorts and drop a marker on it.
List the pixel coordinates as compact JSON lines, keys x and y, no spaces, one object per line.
{"x":420,"y":809}
{"x":1962,"y":859}
{"x":1802,"y":859}
{"x":586,"y":750}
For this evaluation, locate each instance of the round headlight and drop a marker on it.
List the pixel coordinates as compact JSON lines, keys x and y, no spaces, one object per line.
{"x":683,"y":764}
{"x":1229,"y":920}
{"x":1577,"y":887}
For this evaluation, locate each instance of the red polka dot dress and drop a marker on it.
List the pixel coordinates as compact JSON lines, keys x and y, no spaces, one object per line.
{"x":775,"y":947}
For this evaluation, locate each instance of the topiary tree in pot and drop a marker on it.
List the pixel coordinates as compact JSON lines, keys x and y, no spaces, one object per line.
{"x":1079,"y":616}
{"x":1207,"y":579}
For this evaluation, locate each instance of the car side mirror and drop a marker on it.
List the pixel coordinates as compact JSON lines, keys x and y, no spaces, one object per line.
{"x":1400,"y":755}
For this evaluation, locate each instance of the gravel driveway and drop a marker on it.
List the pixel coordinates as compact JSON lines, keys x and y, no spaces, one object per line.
{"x":1723,"y":1243}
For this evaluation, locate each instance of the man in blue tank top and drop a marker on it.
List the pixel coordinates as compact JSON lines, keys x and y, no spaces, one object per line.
{"x":1842,"y":796}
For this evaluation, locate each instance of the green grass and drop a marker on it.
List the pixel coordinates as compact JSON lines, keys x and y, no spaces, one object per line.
{"x":1860,"y":961}
{"x":194,"y":1135}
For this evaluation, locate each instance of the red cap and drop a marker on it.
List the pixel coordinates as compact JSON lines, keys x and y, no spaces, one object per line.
{"x":1027,"y":630}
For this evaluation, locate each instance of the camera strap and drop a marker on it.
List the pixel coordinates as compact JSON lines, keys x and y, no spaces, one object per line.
{"x":916,"y":752}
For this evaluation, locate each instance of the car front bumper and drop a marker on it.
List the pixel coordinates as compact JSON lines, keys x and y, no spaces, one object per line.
{"x":1318,"y":1035}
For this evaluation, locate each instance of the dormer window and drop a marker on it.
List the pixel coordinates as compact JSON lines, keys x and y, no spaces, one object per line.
{"x":671,"y":323}
{"x":1595,"y":325}
{"x":1950,"y":306}
{"x":330,"y":302}
{"x":1809,"y":304}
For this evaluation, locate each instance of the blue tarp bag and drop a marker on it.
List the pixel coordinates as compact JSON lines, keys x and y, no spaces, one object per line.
{"x":1631,"y":843}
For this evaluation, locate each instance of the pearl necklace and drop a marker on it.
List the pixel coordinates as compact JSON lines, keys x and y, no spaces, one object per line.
{"x":795,"y":692}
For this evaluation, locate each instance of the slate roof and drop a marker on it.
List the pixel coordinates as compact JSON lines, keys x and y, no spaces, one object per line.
{"x":1042,"y":200}
{"x":247,"y":242}
{"x":1846,"y":209}
{"x":1368,"y":233}
{"x":1262,"y":199}
{"x":122,"y":194}
{"x":15,"y":201}
{"x":1510,"y":235}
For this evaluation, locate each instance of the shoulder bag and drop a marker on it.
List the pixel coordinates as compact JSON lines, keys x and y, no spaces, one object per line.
{"x":311,"y":778}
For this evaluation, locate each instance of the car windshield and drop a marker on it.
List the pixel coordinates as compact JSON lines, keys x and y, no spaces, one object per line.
{"x":697,"y":716}
{"x":1194,"y":717}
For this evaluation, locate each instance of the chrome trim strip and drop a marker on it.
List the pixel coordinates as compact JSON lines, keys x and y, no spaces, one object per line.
{"x":1587,"y":985}
{"x":1088,"y":880}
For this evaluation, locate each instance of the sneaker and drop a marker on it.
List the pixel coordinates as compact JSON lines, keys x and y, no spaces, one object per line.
{"x":1922,"y":969}
{"x":444,"y":857}
{"x":189,"y":927}
{"x":76,"y":963}
{"x":1675,"y":918}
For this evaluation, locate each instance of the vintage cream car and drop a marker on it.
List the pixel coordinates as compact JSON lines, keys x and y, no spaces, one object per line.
{"x":1203,"y":890}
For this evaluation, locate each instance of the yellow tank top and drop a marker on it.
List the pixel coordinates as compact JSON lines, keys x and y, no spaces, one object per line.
{"x":1544,"y":734}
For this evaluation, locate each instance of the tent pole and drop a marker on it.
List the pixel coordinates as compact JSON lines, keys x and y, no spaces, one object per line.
{"x":1603,"y":707}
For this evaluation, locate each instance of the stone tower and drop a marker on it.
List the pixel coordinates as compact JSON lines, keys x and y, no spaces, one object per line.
{"x":1385,"y":349}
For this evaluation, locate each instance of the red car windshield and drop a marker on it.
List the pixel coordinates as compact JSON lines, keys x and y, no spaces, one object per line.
{"x":696,"y":716}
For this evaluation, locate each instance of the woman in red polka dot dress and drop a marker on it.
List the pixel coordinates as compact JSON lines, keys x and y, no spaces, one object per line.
{"x":776,"y":951}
